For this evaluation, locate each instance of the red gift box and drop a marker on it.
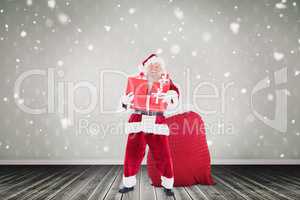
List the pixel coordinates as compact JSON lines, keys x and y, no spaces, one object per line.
{"x":152,"y":101}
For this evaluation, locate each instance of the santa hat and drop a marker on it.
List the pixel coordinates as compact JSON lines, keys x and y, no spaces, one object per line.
{"x":153,"y":58}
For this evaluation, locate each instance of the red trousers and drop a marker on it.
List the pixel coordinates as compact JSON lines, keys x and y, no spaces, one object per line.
{"x":135,"y":152}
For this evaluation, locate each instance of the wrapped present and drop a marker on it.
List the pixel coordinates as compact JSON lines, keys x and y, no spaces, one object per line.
{"x":148,"y":100}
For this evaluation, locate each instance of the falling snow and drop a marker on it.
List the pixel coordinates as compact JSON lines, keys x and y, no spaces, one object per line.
{"x":227,"y":74}
{"x":235,"y":27}
{"x":107,"y":28}
{"x":178,"y":13}
{"x":175,"y":49}
{"x":51,"y":3}
{"x":23,"y":34}
{"x":206,"y":37}
{"x":63,"y":18}
{"x":278,"y":56}
{"x":213,"y":44}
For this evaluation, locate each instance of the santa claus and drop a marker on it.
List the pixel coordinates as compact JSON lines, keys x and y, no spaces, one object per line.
{"x":148,"y":127}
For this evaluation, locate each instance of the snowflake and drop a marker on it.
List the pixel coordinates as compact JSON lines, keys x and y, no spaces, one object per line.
{"x":159,"y":51}
{"x":227,"y":74}
{"x":60,"y":63}
{"x":261,"y":137}
{"x":243,"y":90}
{"x":234,"y":27}
{"x":206,"y":36}
{"x":63,"y":18}
{"x":90,"y":47}
{"x":131,"y":11}
{"x":175,"y":49}
{"x":29,"y":2}
{"x":278,"y":56}
{"x":51,"y":3}
{"x":23,"y":34}
{"x":178,"y":13}
{"x":194,"y":53}
{"x":65,"y":122}
{"x":20,"y":101}
{"x":280,"y":6}
{"x":270,"y":97}
{"x":105,"y":148}
{"x":107,"y":28}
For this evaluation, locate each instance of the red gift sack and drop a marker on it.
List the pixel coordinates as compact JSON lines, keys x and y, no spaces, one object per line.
{"x":189,"y":151}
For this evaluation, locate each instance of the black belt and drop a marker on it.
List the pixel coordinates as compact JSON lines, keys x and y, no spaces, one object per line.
{"x":151,"y":113}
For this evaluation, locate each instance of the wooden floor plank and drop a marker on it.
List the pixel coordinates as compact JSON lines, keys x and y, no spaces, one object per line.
{"x":18,"y":189}
{"x":41,"y":187}
{"x":87,"y":191}
{"x":147,"y":190}
{"x":196,"y":193}
{"x":237,"y":187}
{"x":70,"y":188}
{"x":271,"y":182}
{"x":61,"y":187}
{"x":250,"y":188}
{"x":113,"y":189}
{"x":15,"y":177}
{"x":135,"y":194}
{"x":102,"y":182}
{"x":181,"y":194}
{"x":7,"y":174}
{"x":102,"y":187}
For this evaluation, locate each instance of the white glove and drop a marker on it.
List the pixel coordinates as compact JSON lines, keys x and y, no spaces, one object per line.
{"x":127,"y":99}
{"x":171,"y":98}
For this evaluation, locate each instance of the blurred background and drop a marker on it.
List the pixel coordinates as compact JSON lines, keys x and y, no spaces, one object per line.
{"x":64,"y":64}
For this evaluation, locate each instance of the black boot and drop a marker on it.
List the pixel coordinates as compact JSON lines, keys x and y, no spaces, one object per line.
{"x":169,"y":192}
{"x":125,"y":189}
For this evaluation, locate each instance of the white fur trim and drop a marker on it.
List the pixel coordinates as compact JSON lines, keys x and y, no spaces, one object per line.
{"x":172,"y":93}
{"x":172,"y":108}
{"x":135,"y":127}
{"x":141,"y":68}
{"x":129,"y":181}
{"x":127,"y":99}
{"x":167,"y":182}
{"x":147,"y":125}
{"x":155,"y":59}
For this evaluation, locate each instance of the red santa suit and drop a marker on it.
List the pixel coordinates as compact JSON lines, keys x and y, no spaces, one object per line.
{"x":149,"y":128}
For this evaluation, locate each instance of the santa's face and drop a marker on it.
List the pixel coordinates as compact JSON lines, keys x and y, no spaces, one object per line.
{"x":154,"y":71}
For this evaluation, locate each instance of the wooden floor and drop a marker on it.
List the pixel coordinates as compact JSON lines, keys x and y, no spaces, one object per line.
{"x":90,"y":182}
